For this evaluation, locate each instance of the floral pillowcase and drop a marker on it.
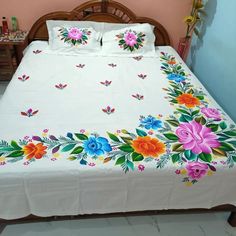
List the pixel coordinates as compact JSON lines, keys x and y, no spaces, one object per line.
{"x":134,"y":40}
{"x":73,"y":39}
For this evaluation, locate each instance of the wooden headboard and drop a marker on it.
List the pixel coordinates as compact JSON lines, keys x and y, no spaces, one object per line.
{"x":100,"y":11}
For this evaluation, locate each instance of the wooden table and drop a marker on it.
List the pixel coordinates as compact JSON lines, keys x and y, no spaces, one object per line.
{"x":11,"y":53}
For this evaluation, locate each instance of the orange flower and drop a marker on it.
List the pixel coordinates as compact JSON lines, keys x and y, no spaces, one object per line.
{"x":171,"y":62}
{"x":149,"y":147}
{"x":188,"y":100}
{"x":32,"y":150}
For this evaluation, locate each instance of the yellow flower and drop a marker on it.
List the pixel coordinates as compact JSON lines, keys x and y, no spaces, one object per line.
{"x":100,"y":158}
{"x":183,"y":172}
{"x":44,"y":134}
{"x":189,"y":20}
{"x":188,"y":184}
{"x":56,"y":155}
{"x":2,"y":159}
{"x":210,"y":173}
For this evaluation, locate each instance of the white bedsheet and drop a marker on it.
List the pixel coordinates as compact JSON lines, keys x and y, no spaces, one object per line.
{"x":50,"y":184}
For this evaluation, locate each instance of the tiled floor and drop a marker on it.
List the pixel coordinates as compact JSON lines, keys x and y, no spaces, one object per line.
{"x":162,"y":225}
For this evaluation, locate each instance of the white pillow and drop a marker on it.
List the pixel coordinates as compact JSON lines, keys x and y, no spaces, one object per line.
{"x":74,"y":36}
{"x":133,"y":40}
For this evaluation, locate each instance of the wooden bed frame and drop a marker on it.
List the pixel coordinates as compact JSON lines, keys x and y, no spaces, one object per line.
{"x":114,"y":12}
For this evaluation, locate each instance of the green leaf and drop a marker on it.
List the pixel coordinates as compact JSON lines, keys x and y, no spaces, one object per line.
{"x":185,"y":118}
{"x":234,"y":158}
{"x":127,"y":140}
{"x":223,"y":125}
{"x":219,"y":152}
{"x":233,"y":143}
{"x":200,"y":97}
{"x":141,"y":133}
{"x":72,"y":158}
{"x":15,"y":145}
{"x":120,"y":160}
{"x":226,"y":147}
{"x":213,"y":127}
{"x":6,"y":149}
{"x":113,"y":137}
{"x":174,"y":123}
{"x":177,"y":147}
{"x":137,"y":157}
{"x":126,"y":148}
{"x":190,"y":155}
{"x":231,"y":133}
{"x":81,"y":136}
{"x":201,"y":120}
{"x":68,"y":147}
{"x":183,"y":111}
{"x":16,"y":154}
{"x":175,"y":157}
{"x":205,"y":157}
{"x":130,"y":164}
{"x":171,"y":136}
{"x":77,"y":150}
{"x":195,"y":112}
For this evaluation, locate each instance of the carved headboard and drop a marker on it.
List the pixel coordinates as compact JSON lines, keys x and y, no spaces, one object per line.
{"x":100,"y":11}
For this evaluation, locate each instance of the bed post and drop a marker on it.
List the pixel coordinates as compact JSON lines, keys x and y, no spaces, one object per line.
{"x":232,"y":219}
{"x":104,"y":5}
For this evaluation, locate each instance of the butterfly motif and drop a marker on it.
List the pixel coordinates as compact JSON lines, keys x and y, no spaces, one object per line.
{"x":106,"y":83}
{"x":37,"y":51}
{"x":60,"y":86}
{"x":80,"y":66}
{"x":142,"y":76}
{"x":138,"y":96}
{"x":112,"y":65}
{"x":29,"y":113}
{"x":23,"y":78}
{"x":138,"y":58}
{"x":108,"y":110}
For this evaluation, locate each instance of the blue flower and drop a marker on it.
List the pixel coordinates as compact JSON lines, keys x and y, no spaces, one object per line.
{"x":176,"y":77}
{"x":150,"y":122}
{"x":96,"y":146}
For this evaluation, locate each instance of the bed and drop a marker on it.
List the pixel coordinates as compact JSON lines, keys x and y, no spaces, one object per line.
{"x":102,"y":134}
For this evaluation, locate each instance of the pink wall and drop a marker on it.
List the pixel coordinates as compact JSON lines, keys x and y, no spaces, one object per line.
{"x":170,"y":13}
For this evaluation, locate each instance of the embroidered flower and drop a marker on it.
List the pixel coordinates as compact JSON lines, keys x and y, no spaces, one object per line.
{"x":211,"y":113}
{"x":131,"y":40}
{"x":92,"y":164}
{"x":23,"y":78}
{"x":142,"y":76}
{"x":196,"y":170}
{"x":176,"y":77}
{"x":188,"y":100}
{"x":32,"y":150}
{"x":196,"y":137}
{"x":150,"y":122}
{"x":29,"y":113}
{"x":141,"y":167}
{"x":138,"y":96}
{"x":171,"y":61}
{"x":37,"y":51}
{"x":74,"y":36}
{"x":80,"y":66}
{"x":108,"y":110}
{"x":148,"y":147}
{"x":112,"y":65}
{"x":94,"y":146}
{"x":138,"y":58}
{"x":106,"y":83}
{"x":60,"y":86}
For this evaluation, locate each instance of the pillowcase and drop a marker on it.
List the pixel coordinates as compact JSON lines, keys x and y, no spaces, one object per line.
{"x":133,"y":40}
{"x":74,"y":37}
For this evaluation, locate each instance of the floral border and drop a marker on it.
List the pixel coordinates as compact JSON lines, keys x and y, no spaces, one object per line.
{"x":195,"y":139}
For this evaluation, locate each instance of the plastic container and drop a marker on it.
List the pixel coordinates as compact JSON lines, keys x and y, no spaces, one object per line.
{"x":5,"y":29}
{"x":14,"y":24}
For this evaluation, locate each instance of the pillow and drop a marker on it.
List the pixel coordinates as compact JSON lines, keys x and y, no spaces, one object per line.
{"x":132,"y":40}
{"x":74,"y":36}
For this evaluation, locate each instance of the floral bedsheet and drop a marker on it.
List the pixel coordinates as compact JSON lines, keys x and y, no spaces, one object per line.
{"x":133,"y":118}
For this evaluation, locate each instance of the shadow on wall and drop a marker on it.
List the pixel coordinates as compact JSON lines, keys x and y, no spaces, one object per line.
{"x":197,"y":42}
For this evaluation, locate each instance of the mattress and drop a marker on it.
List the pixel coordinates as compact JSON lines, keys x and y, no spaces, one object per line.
{"x":84,"y":134}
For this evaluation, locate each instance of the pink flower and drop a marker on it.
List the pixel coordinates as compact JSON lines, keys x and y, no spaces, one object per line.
{"x":75,"y":33}
{"x":177,"y":172}
{"x":45,"y":130}
{"x":82,"y":131}
{"x":53,"y":159}
{"x":211,"y":113}
{"x":141,"y":167}
{"x":196,"y":137}
{"x":130,"y":39}
{"x":2,"y":163}
{"x":91,"y":164}
{"x":108,"y":110}
{"x":196,"y":170}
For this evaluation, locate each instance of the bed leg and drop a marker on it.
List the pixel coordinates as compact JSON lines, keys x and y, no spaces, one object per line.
{"x":232,"y":219}
{"x":2,"y":227}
